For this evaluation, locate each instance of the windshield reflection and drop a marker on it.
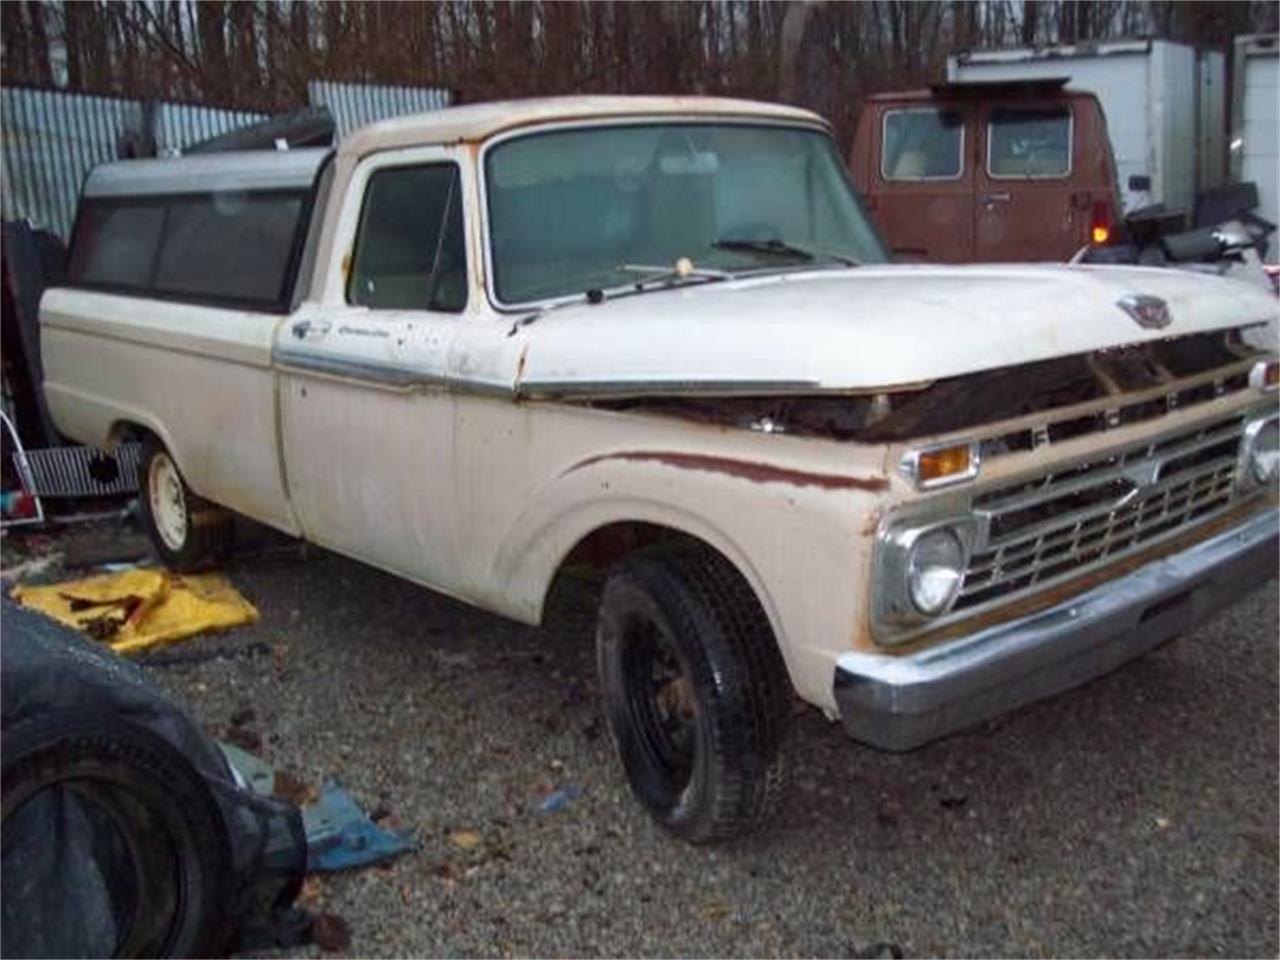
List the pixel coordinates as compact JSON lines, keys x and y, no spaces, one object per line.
{"x":572,"y":211}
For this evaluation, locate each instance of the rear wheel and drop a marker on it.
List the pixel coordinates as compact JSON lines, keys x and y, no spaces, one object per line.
{"x":695,"y":692}
{"x":187,"y":531}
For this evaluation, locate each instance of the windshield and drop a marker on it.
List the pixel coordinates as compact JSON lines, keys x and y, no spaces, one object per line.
{"x":578,"y":210}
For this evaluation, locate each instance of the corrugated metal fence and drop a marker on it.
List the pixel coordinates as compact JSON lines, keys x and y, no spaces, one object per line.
{"x":48,"y":143}
{"x":50,"y":140}
{"x":355,"y":105}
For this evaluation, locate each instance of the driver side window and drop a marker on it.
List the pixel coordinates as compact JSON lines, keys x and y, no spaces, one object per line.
{"x":410,"y":251}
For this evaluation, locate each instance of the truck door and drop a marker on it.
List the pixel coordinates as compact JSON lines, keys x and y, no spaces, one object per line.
{"x":367,"y":425}
{"x":1027,"y":205}
{"x":921,"y":192}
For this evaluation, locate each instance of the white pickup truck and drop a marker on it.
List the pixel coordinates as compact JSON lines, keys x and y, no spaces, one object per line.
{"x":656,"y":341}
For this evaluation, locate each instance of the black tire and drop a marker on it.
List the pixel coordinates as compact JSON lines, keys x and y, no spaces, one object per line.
{"x":157,"y":830}
{"x":695,"y":692}
{"x":206,"y":534}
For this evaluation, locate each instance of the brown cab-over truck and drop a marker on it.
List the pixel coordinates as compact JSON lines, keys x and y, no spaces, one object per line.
{"x":987,"y":172}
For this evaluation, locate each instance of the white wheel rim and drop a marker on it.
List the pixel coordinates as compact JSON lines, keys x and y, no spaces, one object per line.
{"x":168,"y":504}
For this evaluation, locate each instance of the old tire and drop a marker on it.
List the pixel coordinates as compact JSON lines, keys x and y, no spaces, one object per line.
{"x":132,"y":820}
{"x":695,"y":692}
{"x":188,"y":532}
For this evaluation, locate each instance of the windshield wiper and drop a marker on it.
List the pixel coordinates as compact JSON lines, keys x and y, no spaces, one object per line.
{"x":783,"y":248}
{"x":682,"y":270}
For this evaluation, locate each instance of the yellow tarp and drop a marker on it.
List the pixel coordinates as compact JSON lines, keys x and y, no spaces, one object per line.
{"x":141,"y":609}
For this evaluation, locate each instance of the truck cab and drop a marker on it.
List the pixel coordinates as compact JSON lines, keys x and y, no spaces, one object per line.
{"x":987,"y":171}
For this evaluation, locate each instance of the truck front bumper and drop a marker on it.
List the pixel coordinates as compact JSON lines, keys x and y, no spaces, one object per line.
{"x":901,"y":702}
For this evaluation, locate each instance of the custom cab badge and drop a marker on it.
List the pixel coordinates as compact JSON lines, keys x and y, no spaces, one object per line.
{"x":1149,"y":312}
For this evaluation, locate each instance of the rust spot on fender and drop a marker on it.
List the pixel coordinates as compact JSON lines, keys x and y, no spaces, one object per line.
{"x":524,"y":356}
{"x":746,"y":469}
{"x":871,"y":522}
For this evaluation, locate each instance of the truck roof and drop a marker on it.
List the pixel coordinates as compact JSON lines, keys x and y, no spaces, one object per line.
{"x":987,"y":89}
{"x":476,"y":122}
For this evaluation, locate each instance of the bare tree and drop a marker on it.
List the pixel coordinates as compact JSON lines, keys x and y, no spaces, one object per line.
{"x":259,"y":54}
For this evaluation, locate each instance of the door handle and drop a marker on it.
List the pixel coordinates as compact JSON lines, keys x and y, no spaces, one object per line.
{"x":993,"y":198}
{"x":310,"y":329}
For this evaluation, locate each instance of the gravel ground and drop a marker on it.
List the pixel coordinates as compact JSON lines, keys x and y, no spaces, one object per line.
{"x":1135,"y":816}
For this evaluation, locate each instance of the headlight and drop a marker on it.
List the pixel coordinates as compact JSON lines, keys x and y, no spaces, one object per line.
{"x":1262,"y":451}
{"x":919,"y":567}
{"x":935,"y":566}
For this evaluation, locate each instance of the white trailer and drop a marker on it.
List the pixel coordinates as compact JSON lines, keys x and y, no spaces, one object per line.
{"x":1255,"y":129}
{"x":1165,"y":108}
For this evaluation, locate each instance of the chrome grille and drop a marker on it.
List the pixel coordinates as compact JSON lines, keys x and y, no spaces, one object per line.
{"x":1058,"y":524}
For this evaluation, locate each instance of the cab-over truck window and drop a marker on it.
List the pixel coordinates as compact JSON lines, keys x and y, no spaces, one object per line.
{"x":1029,"y":144}
{"x":924,"y":144}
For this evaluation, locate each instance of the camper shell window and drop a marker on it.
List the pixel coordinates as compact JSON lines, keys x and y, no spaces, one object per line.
{"x":232,"y":248}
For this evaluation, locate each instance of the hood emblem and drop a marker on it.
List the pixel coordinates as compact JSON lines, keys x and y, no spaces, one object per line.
{"x":1147,"y":311}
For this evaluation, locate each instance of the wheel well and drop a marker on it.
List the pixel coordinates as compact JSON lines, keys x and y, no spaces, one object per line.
{"x":579,"y":578}
{"x":594,"y":554}
{"x":125,"y":431}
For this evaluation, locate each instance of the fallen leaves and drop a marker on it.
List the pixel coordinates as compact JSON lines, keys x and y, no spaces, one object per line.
{"x":330,"y":932}
{"x":288,"y":787}
{"x":466,"y":839}
{"x":312,"y":893}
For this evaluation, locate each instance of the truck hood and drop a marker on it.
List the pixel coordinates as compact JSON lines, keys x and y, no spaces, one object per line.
{"x":861,"y":328}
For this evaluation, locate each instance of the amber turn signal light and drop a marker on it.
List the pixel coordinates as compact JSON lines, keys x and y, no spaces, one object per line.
{"x":1265,"y":375}
{"x":1101,"y":235}
{"x":947,"y":462}
{"x":942,"y":465}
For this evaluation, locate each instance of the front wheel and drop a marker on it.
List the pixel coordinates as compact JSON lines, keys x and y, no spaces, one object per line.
{"x":187,"y":531}
{"x":695,"y":691}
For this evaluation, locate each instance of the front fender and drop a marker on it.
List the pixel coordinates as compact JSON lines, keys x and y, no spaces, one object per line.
{"x":799,"y":546}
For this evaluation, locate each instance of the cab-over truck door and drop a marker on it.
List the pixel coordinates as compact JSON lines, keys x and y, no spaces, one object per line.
{"x":920,"y":181}
{"x":1030,"y":202}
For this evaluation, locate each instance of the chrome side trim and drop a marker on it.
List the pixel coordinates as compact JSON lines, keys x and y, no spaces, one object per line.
{"x":642,"y":388}
{"x":902,"y":702}
{"x":290,"y":358}
{"x":389,"y":375}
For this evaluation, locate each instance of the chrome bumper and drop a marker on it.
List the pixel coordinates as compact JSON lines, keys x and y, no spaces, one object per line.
{"x":902,"y":702}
